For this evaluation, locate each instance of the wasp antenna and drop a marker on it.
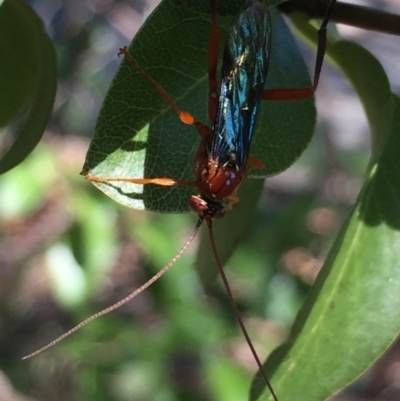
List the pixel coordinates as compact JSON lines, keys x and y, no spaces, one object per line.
{"x":123,"y":301}
{"x":236,"y":310}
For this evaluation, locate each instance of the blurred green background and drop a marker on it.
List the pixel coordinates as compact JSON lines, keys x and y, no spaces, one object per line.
{"x":67,"y":251}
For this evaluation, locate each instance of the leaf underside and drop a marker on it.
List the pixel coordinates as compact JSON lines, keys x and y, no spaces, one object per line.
{"x":138,"y":135}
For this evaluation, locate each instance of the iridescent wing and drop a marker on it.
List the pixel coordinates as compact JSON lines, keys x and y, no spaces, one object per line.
{"x":244,"y":70}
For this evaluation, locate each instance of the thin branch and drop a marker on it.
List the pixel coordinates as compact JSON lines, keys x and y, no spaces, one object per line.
{"x":348,"y":14}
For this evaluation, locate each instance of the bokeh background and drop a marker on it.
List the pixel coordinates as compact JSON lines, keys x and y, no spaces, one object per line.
{"x":67,"y":251}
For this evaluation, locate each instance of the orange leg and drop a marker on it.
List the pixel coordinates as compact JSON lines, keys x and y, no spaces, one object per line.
{"x":165,"y":182}
{"x":184,"y":116}
{"x":301,"y":93}
{"x":213,"y":52}
{"x":254,"y":162}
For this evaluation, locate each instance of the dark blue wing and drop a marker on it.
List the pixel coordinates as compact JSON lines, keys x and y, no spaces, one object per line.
{"x":244,"y":69}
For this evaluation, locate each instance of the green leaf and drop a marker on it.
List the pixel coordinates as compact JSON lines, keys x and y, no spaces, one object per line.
{"x":18,"y":62}
{"x":28,"y":83}
{"x":352,"y":313}
{"x":138,"y":135}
